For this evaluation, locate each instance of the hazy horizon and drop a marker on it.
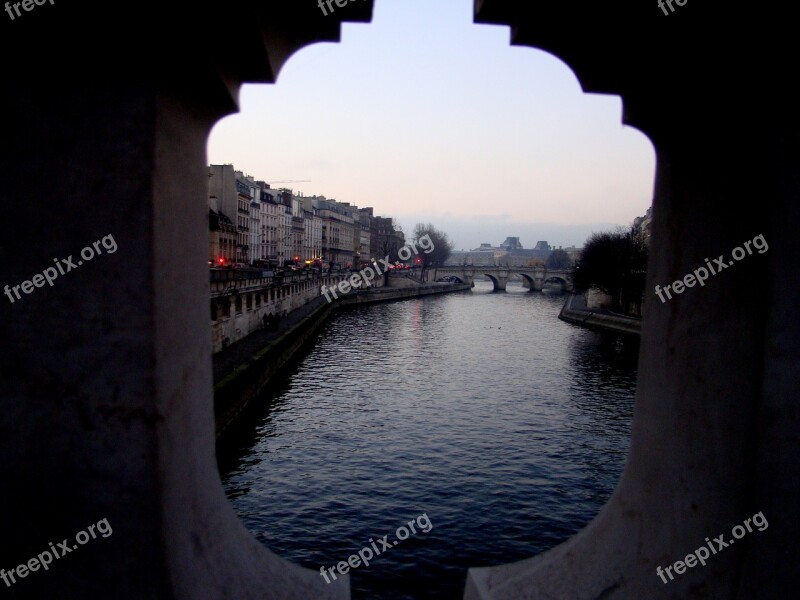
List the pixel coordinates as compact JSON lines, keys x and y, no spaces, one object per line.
{"x":436,"y":119}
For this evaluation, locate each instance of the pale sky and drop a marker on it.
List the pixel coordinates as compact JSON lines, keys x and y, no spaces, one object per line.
{"x":428,"y":117}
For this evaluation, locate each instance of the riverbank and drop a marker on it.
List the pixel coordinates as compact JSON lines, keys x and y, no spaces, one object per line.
{"x":575,"y":311}
{"x":244,"y":368}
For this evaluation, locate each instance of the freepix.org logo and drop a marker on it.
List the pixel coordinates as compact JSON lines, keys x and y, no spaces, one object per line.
{"x":330,"y":3}
{"x":366,"y":275}
{"x":54,"y":552}
{"x":701,"y":274}
{"x":27,"y":6}
{"x":366,"y":554}
{"x":63,"y":266}
{"x":701,"y":555}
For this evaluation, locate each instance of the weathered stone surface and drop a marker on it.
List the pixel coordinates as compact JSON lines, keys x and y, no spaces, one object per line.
{"x":106,"y":375}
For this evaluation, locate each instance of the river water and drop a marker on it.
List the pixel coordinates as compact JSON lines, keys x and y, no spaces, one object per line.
{"x":505,"y":426}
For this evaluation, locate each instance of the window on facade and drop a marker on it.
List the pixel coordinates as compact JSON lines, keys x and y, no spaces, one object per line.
{"x":225,"y":305}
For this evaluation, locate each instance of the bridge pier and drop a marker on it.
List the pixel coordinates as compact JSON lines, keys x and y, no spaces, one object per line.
{"x":499,"y":281}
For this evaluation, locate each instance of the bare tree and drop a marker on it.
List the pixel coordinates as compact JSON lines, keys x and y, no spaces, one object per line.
{"x":388,"y":250}
{"x":558,"y":259}
{"x":440,"y":243}
{"x":615,"y":263}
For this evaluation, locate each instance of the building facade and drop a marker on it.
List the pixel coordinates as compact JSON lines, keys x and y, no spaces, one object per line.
{"x":312,"y":228}
{"x":223,"y":238}
{"x":271,"y":216}
{"x":363,"y":225}
{"x":386,"y":238}
{"x":337,"y":233}
{"x":233,"y":198}
{"x":253,"y":224}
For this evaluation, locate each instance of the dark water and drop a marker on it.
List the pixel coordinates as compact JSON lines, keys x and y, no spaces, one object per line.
{"x":505,"y":426}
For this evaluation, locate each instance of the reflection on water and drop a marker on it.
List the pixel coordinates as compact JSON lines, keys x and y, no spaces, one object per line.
{"x":506,"y":426}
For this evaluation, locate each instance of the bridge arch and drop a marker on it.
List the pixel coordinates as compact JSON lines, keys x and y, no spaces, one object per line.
{"x":561,"y":282}
{"x":684,"y":479}
{"x":528,"y":281}
{"x":498,"y":283}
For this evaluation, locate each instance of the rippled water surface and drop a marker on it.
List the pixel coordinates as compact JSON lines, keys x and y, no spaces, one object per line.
{"x":505,"y":426}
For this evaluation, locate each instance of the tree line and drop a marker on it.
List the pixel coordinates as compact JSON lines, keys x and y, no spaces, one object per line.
{"x":615,"y":263}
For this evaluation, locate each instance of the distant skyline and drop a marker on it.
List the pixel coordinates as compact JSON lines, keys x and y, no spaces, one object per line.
{"x":436,"y":119}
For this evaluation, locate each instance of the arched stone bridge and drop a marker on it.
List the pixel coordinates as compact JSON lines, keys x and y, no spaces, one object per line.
{"x":532,"y":277}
